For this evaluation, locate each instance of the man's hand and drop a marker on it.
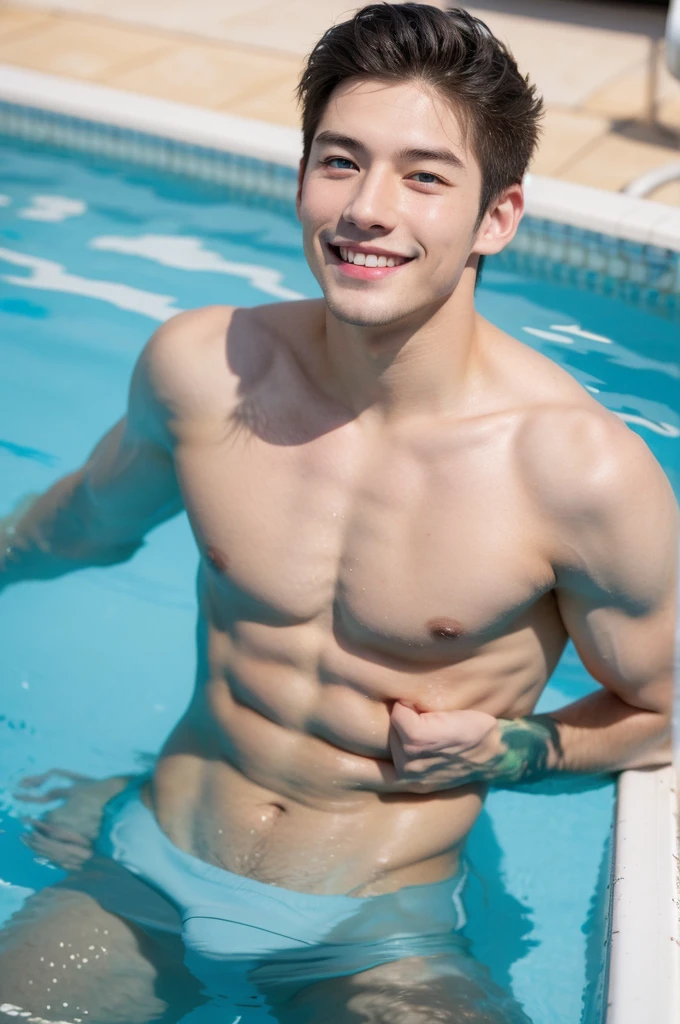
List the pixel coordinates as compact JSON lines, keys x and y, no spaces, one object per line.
{"x":436,"y":750}
{"x":66,"y":834}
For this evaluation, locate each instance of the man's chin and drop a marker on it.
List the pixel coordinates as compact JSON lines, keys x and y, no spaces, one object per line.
{"x":360,"y":314}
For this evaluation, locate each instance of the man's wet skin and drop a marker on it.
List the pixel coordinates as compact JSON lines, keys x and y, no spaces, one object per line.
{"x":392,"y":571}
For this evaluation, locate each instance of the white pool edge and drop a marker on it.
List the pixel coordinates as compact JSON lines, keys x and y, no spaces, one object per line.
{"x":644,"y":956}
{"x":152,"y":116}
{"x":644,"y":966}
{"x":621,"y":216}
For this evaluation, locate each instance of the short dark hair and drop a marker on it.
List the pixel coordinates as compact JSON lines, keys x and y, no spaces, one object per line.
{"x":450,"y":50}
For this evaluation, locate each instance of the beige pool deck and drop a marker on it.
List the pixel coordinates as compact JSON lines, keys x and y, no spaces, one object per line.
{"x":608,"y":118}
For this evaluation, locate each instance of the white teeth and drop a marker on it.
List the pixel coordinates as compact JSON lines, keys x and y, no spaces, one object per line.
{"x":371,"y":259}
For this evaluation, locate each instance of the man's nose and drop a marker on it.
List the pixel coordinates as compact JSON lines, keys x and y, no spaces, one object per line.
{"x":373,"y":203}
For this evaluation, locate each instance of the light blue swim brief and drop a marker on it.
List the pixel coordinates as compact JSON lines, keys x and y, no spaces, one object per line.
{"x":242,"y":936}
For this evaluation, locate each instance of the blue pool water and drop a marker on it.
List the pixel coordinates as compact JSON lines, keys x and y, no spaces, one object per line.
{"x":92,"y":257}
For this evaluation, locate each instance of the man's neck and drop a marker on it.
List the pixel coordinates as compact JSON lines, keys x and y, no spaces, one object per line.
{"x":423,"y":366}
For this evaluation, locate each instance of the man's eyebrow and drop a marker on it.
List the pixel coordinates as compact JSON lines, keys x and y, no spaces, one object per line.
{"x":444,"y":156}
{"x":336,"y":139}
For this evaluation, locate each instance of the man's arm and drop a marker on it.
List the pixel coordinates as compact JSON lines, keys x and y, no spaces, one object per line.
{"x":617,"y":595}
{"x":616,"y":522}
{"x":99,"y":514}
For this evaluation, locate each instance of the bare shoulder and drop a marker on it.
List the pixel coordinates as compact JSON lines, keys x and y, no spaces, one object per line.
{"x":571,"y":449}
{"x":200,"y":361}
{"x":582,"y":459}
{"x":181,"y":356}
{"x":594,"y":485}
{"x":605,"y":504}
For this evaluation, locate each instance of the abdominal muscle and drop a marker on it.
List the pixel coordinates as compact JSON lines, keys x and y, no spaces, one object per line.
{"x":288,"y":807}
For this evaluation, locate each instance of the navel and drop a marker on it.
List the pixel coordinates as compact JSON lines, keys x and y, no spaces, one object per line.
{"x":218,"y":560}
{"x":445,"y":629}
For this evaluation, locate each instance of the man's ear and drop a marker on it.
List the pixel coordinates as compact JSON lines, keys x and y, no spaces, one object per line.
{"x":500,"y":222}
{"x":298,"y":197}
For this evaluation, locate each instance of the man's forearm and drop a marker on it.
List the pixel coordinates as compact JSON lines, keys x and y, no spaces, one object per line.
{"x":600,"y":733}
{"x":51,"y":536}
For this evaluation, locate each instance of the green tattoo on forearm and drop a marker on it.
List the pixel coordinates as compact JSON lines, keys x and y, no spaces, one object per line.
{"x":532,"y":743}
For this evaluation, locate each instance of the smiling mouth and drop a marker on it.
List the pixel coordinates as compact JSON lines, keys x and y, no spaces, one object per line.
{"x":367,"y":259}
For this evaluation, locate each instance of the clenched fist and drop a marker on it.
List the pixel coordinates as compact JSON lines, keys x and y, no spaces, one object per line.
{"x":434,"y":750}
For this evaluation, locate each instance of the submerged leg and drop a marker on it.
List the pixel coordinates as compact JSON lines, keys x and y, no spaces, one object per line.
{"x":415,"y":990}
{"x":71,"y":953}
{"x":63,"y":957}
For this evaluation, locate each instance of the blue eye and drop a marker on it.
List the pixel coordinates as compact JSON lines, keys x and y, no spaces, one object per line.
{"x":334,"y":161}
{"x":433,"y":179}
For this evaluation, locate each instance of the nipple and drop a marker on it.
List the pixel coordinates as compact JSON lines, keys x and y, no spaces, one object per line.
{"x":444,"y":629}
{"x":217,"y":559}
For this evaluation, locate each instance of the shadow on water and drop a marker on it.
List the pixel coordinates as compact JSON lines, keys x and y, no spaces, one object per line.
{"x":596,"y":928}
{"x":499,"y":925}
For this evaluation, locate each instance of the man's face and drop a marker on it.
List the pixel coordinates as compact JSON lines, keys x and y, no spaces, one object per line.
{"x":389,"y":181}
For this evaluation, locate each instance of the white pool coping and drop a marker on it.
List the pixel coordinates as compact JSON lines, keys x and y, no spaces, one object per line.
{"x":638,"y":220}
{"x":644,"y":954}
{"x":644,"y":966}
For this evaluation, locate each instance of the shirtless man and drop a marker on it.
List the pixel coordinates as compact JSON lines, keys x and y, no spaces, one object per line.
{"x":402,"y":514}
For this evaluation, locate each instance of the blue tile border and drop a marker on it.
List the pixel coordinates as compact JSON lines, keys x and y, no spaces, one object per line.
{"x":642,"y":275}
{"x":244,"y":174}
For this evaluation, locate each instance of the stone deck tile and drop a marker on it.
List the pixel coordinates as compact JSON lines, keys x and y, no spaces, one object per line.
{"x":625,"y":96}
{"x":566,"y":61}
{"x":616,"y":160}
{"x":206,"y":76}
{"x":14,"y":21}
{"x":565,"y":135}
{"x":78,"y":48}
{"x":277,"y":103}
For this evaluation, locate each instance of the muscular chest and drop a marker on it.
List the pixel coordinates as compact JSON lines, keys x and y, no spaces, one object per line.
{"x":401,"y":546}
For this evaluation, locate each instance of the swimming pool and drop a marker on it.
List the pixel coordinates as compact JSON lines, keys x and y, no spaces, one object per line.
{"x":92,"y":256}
